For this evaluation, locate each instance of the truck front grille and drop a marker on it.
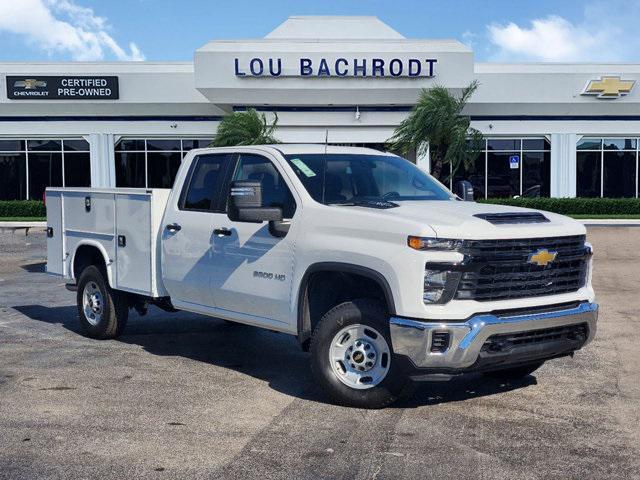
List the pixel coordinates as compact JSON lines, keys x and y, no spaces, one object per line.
{"x":501,"y":269}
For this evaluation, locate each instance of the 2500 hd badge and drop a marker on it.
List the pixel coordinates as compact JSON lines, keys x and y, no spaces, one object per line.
{"x":281,"y":277}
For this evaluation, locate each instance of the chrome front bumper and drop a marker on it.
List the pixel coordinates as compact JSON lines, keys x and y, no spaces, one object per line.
{"x":413,"y":338}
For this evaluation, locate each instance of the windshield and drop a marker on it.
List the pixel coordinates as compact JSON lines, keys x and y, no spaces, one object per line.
{"x":352,"y":178}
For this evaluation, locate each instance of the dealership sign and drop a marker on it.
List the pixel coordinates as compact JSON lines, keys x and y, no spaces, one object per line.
{"x":336,"y":67}
{"x":62,"y":88}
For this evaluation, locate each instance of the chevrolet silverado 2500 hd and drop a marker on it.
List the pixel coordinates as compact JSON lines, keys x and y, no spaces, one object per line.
{"x":381,"y":272}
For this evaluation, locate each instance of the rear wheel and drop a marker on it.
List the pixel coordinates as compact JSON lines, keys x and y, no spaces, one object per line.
{"x":352,"y":357}
{"x":514,"y":373}
{"x":103,"y":311}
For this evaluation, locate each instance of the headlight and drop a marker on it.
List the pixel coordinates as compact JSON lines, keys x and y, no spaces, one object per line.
{"x":427,"y":243}
{"x":439,"y":285}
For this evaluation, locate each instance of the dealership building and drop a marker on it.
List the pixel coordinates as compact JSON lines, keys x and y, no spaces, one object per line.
{"x":560,"y":130}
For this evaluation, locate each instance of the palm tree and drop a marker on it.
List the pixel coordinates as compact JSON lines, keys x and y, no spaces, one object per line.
{"x":245,"y":128}
{"x":436,"y":122}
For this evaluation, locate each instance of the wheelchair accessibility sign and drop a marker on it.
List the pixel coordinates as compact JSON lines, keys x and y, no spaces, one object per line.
{"x":514,"y":162}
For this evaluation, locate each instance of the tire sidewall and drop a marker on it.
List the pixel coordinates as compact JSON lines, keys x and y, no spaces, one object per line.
{"x":93,"y":274}
{"x":364,"y":312}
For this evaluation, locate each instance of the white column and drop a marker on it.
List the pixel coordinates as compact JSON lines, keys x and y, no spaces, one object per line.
{"x":103,"y":166}
{"x":563,"y":164}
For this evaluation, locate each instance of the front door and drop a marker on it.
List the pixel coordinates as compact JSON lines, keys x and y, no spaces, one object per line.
{"x":188,"y":240}
{"x":253,"y":268}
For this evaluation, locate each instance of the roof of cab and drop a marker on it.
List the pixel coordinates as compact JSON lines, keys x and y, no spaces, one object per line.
{"x":303,"y":148}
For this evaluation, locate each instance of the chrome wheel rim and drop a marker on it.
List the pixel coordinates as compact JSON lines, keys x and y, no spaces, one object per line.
{"x":92,"y":303}
{"x":359,"y":356}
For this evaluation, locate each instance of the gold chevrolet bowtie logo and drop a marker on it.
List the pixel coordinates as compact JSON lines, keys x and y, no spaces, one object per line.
{"x":609,"y":87}
{"x":30,"y":84}
{"x":542,"y":257}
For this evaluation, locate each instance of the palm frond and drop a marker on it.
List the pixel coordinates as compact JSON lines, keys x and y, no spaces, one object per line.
{"x":245,"y":128}
{"x":437,"y":120}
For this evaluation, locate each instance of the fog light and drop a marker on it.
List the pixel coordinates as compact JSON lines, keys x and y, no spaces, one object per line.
{"x":439,"y":285}
{"x":440,"y":342}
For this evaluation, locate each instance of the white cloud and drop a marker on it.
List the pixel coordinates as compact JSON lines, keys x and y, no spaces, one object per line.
{"x":62,"y":26}
{"x":470,"y":39}
{"x":555,"y":39}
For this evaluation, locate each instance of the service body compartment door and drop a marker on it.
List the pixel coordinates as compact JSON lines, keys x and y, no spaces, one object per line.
{"x":133,"y":242}
{"x":55,"y":235}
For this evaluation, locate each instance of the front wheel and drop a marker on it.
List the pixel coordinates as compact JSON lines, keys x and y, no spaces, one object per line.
{"x":103,"y":311}
{"x":352,"y":358}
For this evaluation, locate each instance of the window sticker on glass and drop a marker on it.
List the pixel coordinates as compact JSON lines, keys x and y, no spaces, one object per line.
{"x":303,"y":167}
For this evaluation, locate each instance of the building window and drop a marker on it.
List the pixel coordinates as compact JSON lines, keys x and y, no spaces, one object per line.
{"x":152,"y":163}
{"x":607,"y":167}
{"x":29,"y":166}
{"x":506,"y":167}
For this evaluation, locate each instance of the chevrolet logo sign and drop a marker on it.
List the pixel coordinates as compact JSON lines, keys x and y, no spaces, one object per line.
{"x":30,"y":84}
{"x":542,"y":257}
{"x":609,"y":87}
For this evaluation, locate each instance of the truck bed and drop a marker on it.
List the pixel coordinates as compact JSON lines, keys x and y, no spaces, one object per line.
{"x":124,"y":224}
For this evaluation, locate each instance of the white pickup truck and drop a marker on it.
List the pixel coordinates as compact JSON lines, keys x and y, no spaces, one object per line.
{"x":376,"y":268}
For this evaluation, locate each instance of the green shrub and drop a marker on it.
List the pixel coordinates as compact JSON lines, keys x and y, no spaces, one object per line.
{"x":575,"y":206}
{"x":22,"y":208}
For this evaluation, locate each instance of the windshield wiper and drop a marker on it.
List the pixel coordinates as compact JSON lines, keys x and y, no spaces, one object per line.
{"x":383,"y":204}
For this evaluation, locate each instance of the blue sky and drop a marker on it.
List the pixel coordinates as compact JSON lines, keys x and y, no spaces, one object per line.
{"x":161,"y":30}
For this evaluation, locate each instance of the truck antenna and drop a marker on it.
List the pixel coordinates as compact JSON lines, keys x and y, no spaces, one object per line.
{"x":326,"y":140}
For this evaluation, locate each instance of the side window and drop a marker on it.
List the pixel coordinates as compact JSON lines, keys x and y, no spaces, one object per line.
{"x":204,"y":183}
{"x":275,"y":192}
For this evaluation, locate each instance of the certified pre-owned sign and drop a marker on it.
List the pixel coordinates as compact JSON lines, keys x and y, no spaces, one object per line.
{"x":62,"y":88}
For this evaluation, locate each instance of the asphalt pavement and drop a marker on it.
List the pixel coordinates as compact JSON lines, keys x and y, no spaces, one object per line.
{"x":185,"y":396}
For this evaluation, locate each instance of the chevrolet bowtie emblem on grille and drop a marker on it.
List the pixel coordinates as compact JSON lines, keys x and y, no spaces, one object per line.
{"x":542,"y":257}
{"x":609,"y":87}
{"x":30,"y":84}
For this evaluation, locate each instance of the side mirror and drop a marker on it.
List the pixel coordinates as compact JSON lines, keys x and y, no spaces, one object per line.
{"x":245,"y":204}
{"x":464,"y":190}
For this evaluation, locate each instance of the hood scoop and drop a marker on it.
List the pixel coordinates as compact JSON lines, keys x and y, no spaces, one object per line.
{"x":512,"y":218}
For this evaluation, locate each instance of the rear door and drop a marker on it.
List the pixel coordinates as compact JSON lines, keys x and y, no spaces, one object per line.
{"x":188,"y":240}
{"x":253,"y":268}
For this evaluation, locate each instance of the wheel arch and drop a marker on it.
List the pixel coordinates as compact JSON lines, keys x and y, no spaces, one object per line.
{"x":304,"y":320}
{"x":89,"y":252}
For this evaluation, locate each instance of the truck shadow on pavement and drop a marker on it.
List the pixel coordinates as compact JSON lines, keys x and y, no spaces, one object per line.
{"x":268,"y":356}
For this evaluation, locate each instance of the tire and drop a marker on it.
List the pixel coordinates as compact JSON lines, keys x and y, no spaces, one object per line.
{"x":103,"y":312}
{"x":514,"y":373}
{"x":366,"y":324}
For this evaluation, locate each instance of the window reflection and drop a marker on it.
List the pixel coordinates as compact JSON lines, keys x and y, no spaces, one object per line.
{"x":77,"y":169}
{"x":13,"y":181}
{"x":503,"y":179}
{"x":588,"y":174}
{"x":152,"y":162}
{"x":29,"y":166}
{"x":45,"y":170}
{"x":130,"y":169}
{"x":619,"y":174}
{"x":536,"y":178}
{"x":607,"y":167}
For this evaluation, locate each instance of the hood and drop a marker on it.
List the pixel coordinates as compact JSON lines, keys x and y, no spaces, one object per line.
{"x":455,"y":219}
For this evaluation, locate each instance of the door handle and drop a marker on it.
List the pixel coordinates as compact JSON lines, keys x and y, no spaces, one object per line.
{"x":222,"y":232}
{"x":173,"y":227}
